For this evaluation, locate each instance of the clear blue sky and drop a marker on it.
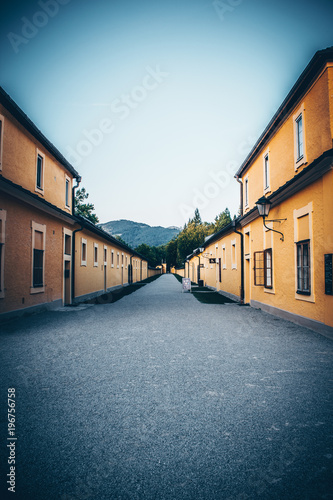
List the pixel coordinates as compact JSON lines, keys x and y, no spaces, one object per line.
{"x":179,"y":90}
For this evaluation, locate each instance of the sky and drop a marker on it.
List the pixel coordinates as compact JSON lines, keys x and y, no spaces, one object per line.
{"x":157,"y":104}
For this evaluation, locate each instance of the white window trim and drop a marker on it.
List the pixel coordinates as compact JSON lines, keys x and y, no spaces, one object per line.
{"x":42,"y":155}
{"x":35,"y":226}
{"x":118,"y":260}
{"x":246,"y":192}
{"x":122,"y":259}
{"x":298,"y":213}
{"x":67,"y":232}
{"x":69,"y":191}
{"x":126,"y":261}
{"x":84,"y":242}
{"x":269,"y":243}
{"x":2,"y":120}
{"x":95,"y":261}
{"x":303,"y":159}
{"x":112,"y":258}
{"x":3,"y":215}
{"x":267,"y":189}
{"x":105,"y":250}
{"x":233,"y":243}
{"x":224,"y":257}
{"x":247,"y":231}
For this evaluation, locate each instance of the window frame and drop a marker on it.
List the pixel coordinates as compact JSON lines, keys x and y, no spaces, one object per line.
{"x":95,"y":254}
{"x":84,"y":243}
{"x":260,"y":268}
{"x":224,"y":257}
{"x":266,"y":167}
{"x":40,"y":189}
{"x":105,"y":255}
{"x":299,"y":159}
{"x":112,"y":258}
{"x":234,"y":254}
{"x":67,"y":193}
{"x":3,"y":216}
{"x":2,"y":123}
{"x":246,"y":192}
{"x":302,"y":244}
{"x":35,"y":226}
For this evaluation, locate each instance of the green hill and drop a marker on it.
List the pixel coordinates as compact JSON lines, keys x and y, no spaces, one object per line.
{"x":135,"y":233}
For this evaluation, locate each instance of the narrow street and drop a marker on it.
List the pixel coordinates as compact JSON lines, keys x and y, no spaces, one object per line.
{"x":158,"y":396}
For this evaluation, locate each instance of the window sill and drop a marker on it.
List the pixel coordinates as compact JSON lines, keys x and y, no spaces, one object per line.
{"x":39,"y":191}
{"x":35,"y":290}
{"x":304,"y":297}
{"x":269,"y":290}
{"x":95,"y":264}
{"x":83,"y":264}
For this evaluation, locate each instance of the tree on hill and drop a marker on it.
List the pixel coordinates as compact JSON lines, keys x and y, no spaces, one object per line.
{"x":154,"y":255}
{"x":82,"y":208}
{"x":222,"y":220}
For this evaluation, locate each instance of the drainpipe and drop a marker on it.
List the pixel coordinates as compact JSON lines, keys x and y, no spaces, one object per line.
{"x":130,"y":277}
{"x":73,"y":261}
{"x":78,"y":180}
{"x":234,"y":223}
{"x":238,"y":179}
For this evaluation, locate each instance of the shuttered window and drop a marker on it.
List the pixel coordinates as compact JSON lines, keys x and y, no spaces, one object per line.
{"x":303,"y":268}
{"x":263,"y":268}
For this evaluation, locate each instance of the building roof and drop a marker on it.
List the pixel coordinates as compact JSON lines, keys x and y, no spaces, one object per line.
{"x":309,"y":75}
{"x":25,"y":121}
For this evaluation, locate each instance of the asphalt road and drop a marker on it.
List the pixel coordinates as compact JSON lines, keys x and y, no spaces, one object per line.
{"x":159,"y":396}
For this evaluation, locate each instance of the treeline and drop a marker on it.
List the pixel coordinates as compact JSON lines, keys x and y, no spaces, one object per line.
{"x":192,"y":236}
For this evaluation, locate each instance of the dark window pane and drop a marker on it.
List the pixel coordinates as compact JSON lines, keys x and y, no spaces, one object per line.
{"x":38,"y":268}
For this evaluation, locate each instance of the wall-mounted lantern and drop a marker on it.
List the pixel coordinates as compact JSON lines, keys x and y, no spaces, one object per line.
{"x":263,"y":206}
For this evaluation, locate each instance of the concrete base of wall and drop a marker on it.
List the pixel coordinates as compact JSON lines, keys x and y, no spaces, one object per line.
{"x":47,"y":306}
{"x":312,"y":324}
{"x":93,"y":295}
{"x":230,"y":296}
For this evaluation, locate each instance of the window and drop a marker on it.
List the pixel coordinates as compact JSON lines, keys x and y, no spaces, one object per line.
{"x":1,"y":139}
{"x":266,"y":172}
{"x":122,"y":260}
{"x":233,"y":255}
{"x":303,"y":267}
{"x":83,"y":252}
{"x":126,"y":265}
{"x":105,"y":255}
{"x":118,"y":260}
{"x":224,"y":257}
{"x":246,"y":187}
{"x":68,"y":244}
{"x":67,"y":191}
{"x":95,"y":254}
{"x":263,"y":268}
{"x":112,"y":258}
{"x":2,"y":252}
{"x":220,"y":271}
{"x":299,"y":137}
{"x":38,"y":257}
{"x":40,"y":172}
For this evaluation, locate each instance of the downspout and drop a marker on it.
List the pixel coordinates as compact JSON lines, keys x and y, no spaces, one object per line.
{"x":130,"y":277}
{"x":238,"y":179}
{"x":242,"y":261}
{"x":73,"y":261}
{"x":78,"y":180}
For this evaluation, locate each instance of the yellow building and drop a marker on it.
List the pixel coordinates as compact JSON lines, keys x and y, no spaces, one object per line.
{"x":41,"y":241}
{"x":282,"y":263}
{"x":288,"y":263}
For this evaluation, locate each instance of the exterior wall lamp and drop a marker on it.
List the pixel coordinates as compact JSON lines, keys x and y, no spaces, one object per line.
{"x":263,"y":206}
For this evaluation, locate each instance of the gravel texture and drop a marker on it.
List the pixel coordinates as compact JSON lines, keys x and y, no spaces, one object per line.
{"x":159,"y":396}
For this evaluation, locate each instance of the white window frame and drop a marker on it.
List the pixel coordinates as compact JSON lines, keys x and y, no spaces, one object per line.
{"x":42,"y":155}
{"x":68,"y":182}
{"x":105,"y":251}
{"x":122,"y":259}
{"x":95,"y":261}
{"x":112,"y":258}
{"x":298,"y":161}
{"x":35,"y":226}
{"x":126,"y":261}
{"x":298,"y":213}
{"x":3,"y":215}
{"x":267,"y":177}
{"x":2,"y":120}
{"x":224,"y":257}
{"x":84,"y":242}
{"x":233,"y":246}
{"x":118,"y":260}
{"x":246,"y":192}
